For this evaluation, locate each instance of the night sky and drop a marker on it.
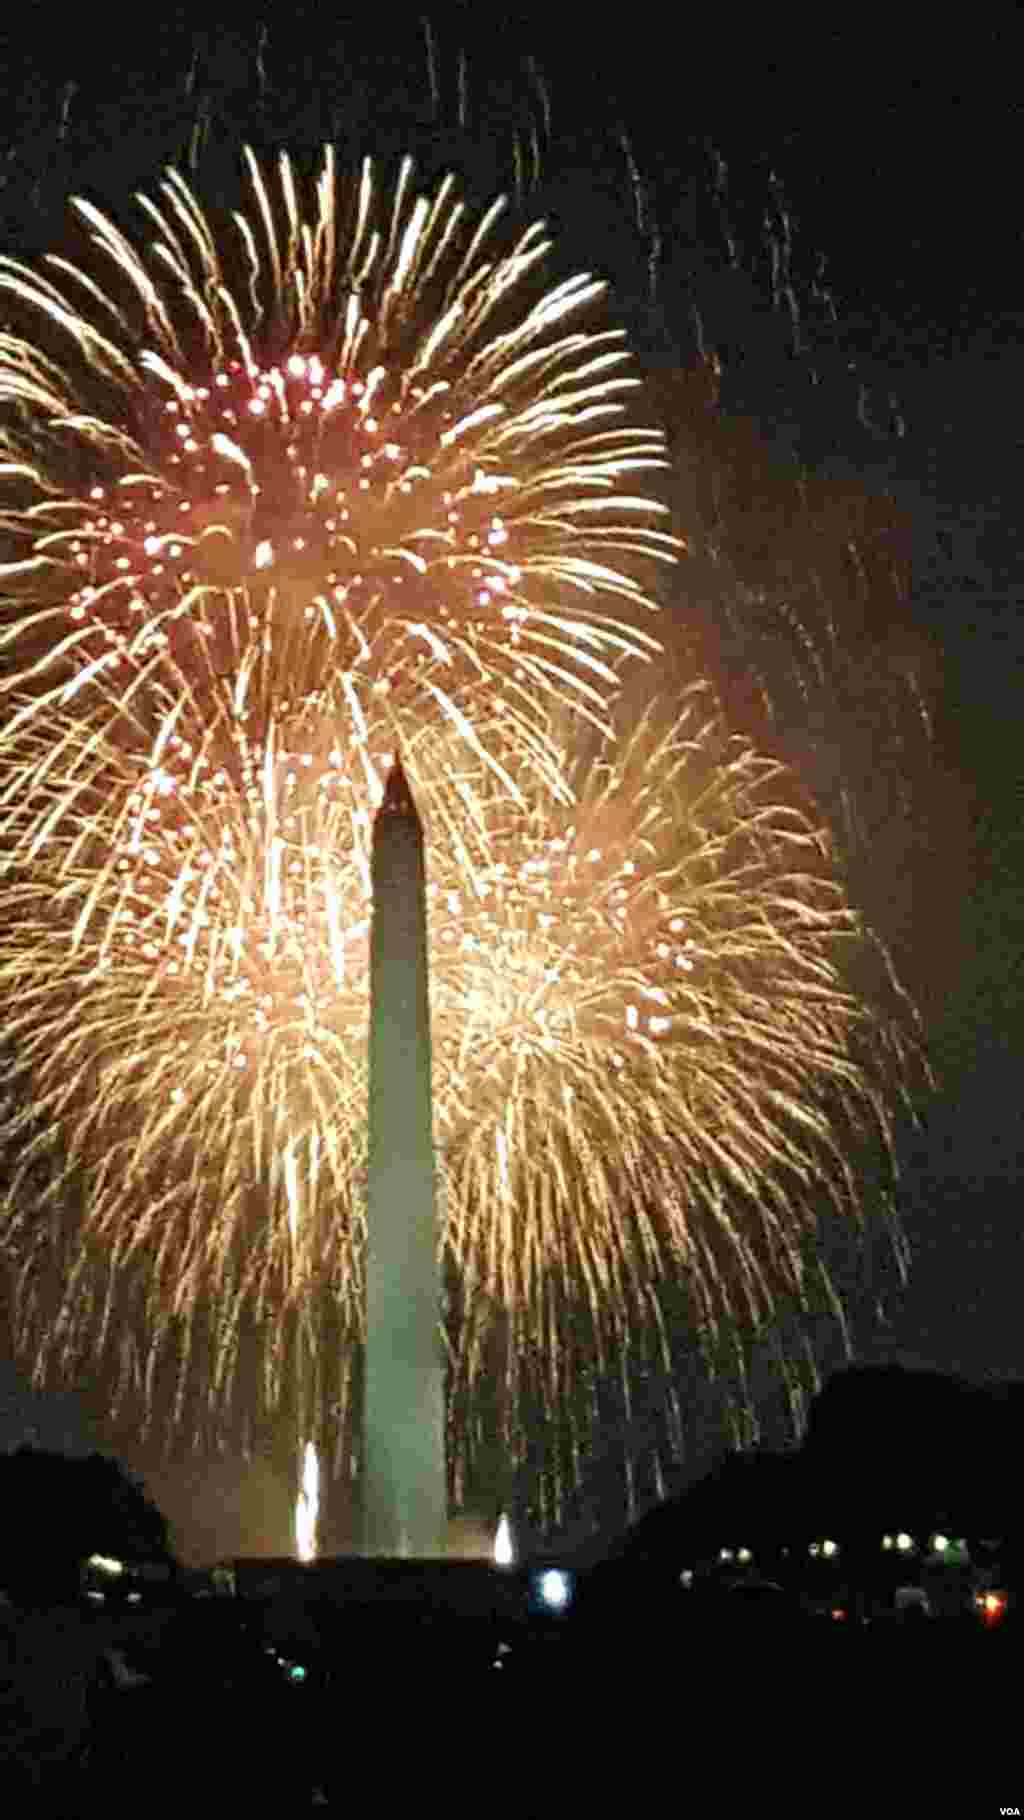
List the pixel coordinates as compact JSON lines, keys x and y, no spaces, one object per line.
{"x":898,"y":166}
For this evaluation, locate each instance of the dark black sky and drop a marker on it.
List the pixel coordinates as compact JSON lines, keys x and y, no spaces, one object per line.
{"x":899,"y":161}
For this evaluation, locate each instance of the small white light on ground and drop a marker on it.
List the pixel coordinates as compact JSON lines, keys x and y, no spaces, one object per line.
{"x":555,"y":1589}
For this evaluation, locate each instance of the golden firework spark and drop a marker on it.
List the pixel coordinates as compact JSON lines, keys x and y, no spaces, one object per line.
{"x":655,"y":1055}
{"x":352,"y":443}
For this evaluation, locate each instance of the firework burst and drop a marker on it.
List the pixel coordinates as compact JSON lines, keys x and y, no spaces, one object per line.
{"x":357,"y":439}
{"x":277,"y":497}
{"x":656,"y":1047}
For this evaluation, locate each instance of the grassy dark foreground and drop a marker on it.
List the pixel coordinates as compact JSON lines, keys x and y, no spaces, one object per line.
{"x":221,"y":1726}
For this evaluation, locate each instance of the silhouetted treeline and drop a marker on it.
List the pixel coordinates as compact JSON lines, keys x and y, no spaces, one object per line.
{"x":916,"y":1447}
{"x":886,"y":1449}
{"x":57,"y":1511}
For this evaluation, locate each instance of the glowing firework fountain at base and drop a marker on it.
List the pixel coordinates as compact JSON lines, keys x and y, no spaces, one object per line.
{"x":307,"y":1506}
{"x":405,"y":1502}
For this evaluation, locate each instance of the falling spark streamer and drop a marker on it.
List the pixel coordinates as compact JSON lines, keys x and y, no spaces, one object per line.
{"x":304,"y":460}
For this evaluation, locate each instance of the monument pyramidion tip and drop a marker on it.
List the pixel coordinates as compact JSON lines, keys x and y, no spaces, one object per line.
{"x":397,"y":798}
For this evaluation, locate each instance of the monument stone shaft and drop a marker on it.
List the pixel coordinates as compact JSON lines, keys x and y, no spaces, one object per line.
{"x":404,"y":1477}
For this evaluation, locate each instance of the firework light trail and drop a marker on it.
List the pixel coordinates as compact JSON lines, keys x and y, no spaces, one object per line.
{"x":382,"y":454}
{"x":652,"y":1063}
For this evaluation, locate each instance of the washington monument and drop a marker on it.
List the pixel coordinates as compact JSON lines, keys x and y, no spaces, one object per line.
{"x":404,"y":1476}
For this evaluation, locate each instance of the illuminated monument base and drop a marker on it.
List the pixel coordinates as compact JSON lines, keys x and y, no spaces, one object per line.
{"x":404,"y":1483}
{"x":405,"y":1511}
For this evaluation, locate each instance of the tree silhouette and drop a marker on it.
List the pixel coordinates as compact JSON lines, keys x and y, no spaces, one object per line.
{"x":56,"y":1511}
